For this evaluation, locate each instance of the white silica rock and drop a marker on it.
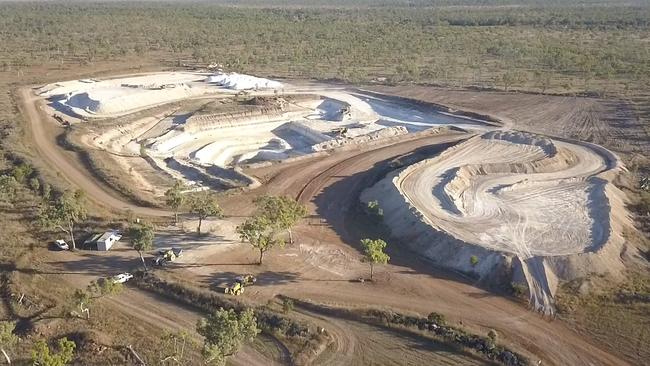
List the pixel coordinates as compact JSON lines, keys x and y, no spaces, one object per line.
{"x":237,"y":81}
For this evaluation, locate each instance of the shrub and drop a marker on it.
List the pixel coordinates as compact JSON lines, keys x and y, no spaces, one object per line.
{"x":34,"y":184}
{"x":473,"y":260}
{"x":374,"y":210}
{"x":492,"y":334}
{"x":22,"y":172}
{"x":436,"y":318}
{"x":518,"y":289}
{"x":287,"y":305}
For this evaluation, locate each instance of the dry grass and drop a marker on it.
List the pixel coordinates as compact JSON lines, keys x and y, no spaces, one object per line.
{"x":615,"y":315}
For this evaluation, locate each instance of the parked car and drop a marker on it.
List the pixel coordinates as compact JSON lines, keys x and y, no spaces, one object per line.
{"x":122,"y":277}
{"x":61,"y":244}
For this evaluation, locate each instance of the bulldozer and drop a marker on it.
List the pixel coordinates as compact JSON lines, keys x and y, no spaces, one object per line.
{"x":237,"y":288}
{"x":167,"y":255}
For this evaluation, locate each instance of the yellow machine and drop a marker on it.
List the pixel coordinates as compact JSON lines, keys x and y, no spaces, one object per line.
{"x":236,"y":289}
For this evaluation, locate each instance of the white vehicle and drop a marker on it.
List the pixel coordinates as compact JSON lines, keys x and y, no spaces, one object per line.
{"x":122,"y":277}
{"x":61,"y":244}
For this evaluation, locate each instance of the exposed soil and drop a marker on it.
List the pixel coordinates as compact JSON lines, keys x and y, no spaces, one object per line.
{"x":324,"y":259}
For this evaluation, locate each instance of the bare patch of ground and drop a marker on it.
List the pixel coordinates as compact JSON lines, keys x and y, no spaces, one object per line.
{"x":615,"y":124}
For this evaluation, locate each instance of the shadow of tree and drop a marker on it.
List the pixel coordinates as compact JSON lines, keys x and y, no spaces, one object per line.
{"x":219,"y":280}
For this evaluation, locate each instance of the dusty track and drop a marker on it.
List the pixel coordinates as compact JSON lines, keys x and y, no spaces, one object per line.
{"x":42,"y":130}
{"x":331,"y":185}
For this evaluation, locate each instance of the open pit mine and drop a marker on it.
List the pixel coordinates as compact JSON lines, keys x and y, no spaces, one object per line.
{"x":501,"y":205}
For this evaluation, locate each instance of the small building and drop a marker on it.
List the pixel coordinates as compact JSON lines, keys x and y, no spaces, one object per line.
{"x":106,"y":241}
{"x":103,"y":242}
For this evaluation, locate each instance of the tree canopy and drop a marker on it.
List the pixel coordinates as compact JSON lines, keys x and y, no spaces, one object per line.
{"x":281,"y":212}
{"x":174,"y":198}
{"x":66,"y":211}
{"x":374,"y":253}
{"x":7,"y":338}
{"x":224,"y":332}
{"x":141,"y":236}
{"x":204,"y":205}
{"x":260,"y":233}
{"x":42,"y":355}
{"x":95,"y":290}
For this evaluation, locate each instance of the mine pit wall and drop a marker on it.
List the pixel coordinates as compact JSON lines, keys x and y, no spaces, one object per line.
{"x":209,"y":122}
{"x":462,"y":179}
{"x":197,"y":174}
{"x":314,"y":136}
{"x":420,"y":104}
{"x":410,"y":228}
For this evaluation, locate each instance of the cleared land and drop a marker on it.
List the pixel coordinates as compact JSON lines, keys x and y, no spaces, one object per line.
{"x":331,"y":184}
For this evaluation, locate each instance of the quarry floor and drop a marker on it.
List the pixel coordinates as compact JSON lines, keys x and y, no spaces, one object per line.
{"x":325,"y":258}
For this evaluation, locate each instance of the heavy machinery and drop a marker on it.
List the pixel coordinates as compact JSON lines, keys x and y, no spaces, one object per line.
{"x":340,"y":132}
{"x":167,"y":255}
{"x":237,"y":288}
{"x":644,"y":182}
{"x":246,"y":280}
{"x":346,"y":112}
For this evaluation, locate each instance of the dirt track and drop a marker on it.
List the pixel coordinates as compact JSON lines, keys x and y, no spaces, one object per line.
{"x":331,"y":185}
{"x":42,"y":130}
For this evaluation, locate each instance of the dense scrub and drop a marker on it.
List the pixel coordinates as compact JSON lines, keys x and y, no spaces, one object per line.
{"x":570,"y":48}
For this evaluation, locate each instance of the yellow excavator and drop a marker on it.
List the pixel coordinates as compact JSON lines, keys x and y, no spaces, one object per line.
{"x":167,"y":255}
{"x":237,"y":288}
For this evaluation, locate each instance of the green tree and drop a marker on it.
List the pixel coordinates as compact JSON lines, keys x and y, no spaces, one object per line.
{"x":507,"y":79}
{"x":174,"y":198}
{"x":7,"y":338}
{"x":95,"y":290}
{"x":82,"y":300}
{"x":374,"y":253}
{"x":224,"y":332}
{"x":35,"y":184}
{"x":142,"y":240}
{"x":260,"y":233}
{"x":172,"y":347}
{"x":205,"y":205}
{"x":282,"y":212}
{"x":104,"y":287}
{"x":64,"y":213}
{"x":42,"y":355}
{"x":8,"y":188}
{"x":473,"y":260}
{"x":21,"y":172}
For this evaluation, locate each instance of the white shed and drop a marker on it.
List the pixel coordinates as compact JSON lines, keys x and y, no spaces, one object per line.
{"x":106,"y":241}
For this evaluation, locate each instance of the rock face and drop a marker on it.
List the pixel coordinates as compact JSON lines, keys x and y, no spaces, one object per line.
{"x":504,"y":195}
